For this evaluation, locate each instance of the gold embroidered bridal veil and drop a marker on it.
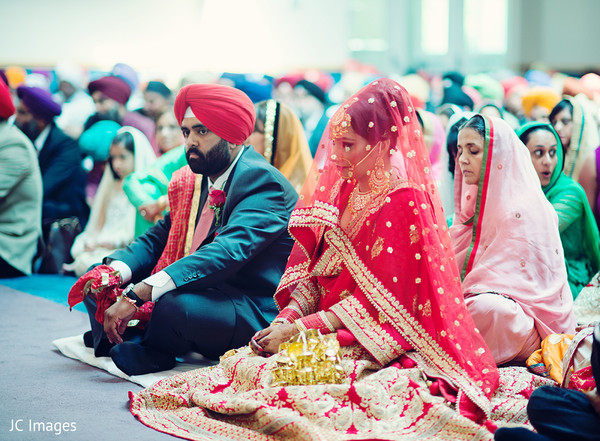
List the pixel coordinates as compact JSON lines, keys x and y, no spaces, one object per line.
{"x":372,"y":241}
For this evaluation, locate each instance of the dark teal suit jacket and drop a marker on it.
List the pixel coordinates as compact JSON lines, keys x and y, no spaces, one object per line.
{"x":246,"y":253}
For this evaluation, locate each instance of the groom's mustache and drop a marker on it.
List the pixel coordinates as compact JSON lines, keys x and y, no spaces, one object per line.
{"x":196,"y":151}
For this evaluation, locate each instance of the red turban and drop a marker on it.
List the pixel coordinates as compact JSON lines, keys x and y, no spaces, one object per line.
{"x":511,"y":84}
{"x":7,"y":108}
{"x":113,"y":87}
{"x":224,"y":110}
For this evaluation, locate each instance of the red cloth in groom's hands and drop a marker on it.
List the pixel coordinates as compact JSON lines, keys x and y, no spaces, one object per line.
{"x":104,"y":281}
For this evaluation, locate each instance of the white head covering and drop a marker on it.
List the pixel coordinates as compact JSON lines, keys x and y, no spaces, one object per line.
{"x":143,"y":156}
{"x":70,"y":72}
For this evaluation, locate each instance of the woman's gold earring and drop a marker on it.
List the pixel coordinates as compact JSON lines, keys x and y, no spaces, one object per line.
{"x":378,"y":181}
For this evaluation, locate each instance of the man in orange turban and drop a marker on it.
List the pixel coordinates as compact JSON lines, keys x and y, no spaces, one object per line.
{"x":538,"y":102}
{"x":213,"y":263}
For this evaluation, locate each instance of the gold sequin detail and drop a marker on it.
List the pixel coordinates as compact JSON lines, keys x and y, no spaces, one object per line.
{"x":427,"y":309}
{"x":414,"y":235}
{"x":345,"y":293}
{"x":377,"y":247}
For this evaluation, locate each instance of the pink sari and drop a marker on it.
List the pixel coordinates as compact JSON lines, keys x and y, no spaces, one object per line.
{"x":505,"y":235}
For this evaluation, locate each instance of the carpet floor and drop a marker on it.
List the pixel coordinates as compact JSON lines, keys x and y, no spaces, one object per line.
{"x":45,"y":395}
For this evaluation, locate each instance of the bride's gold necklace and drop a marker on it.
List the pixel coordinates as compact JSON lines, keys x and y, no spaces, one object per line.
{"x":359,"y":201}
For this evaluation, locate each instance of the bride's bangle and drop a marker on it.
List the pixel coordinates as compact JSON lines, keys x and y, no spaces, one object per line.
{"x":318,"y":321}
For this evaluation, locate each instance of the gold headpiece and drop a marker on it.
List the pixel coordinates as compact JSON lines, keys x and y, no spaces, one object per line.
{"x":340,"y":123}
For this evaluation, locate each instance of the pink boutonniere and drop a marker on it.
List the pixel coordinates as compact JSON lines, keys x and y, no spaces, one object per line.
{"x":216,"y":200}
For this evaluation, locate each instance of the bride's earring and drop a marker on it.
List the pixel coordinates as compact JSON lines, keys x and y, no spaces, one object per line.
{"x":378,"y":181}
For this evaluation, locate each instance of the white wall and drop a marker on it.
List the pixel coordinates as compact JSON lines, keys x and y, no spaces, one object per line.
{"x":562,"y":35}
{"x":170,"y":38}
{"x":176,"y":36}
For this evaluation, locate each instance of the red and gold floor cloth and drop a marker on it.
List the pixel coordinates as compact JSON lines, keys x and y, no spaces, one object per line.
{"x":233,"y":401}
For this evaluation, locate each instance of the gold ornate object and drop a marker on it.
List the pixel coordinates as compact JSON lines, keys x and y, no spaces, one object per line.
{"x":340,"y":123}
{"x":308,"y":358}
{"x":229,"y":353}
{"x":358,"y":200}
{"x":379,"y":180}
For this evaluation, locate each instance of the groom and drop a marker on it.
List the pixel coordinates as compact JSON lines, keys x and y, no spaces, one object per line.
{"x":213,"y":263}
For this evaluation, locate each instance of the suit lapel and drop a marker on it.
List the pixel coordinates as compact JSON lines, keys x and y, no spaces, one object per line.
{"x":213,"y":227}
{"x":44,"y":152}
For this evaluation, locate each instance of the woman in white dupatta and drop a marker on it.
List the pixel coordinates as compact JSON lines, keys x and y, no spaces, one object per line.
{"x":112,"y":218}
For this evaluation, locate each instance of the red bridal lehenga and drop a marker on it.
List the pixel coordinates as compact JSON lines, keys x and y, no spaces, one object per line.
{"x":373,"y":248}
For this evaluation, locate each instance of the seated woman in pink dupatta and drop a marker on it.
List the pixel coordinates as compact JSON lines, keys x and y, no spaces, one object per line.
{"x":507,"y":244}
{"x":373,"y":268}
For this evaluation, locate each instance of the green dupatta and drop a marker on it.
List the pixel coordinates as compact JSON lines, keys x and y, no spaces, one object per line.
{"x":566,"y":196}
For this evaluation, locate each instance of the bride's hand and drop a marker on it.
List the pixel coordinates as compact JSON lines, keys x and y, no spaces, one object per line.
{"x":266,"y":342}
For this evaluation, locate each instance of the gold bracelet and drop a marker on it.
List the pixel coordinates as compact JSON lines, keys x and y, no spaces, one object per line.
{"x":128,"y":300}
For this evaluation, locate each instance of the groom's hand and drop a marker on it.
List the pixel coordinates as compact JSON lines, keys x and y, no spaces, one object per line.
{"x":116,"y":318}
